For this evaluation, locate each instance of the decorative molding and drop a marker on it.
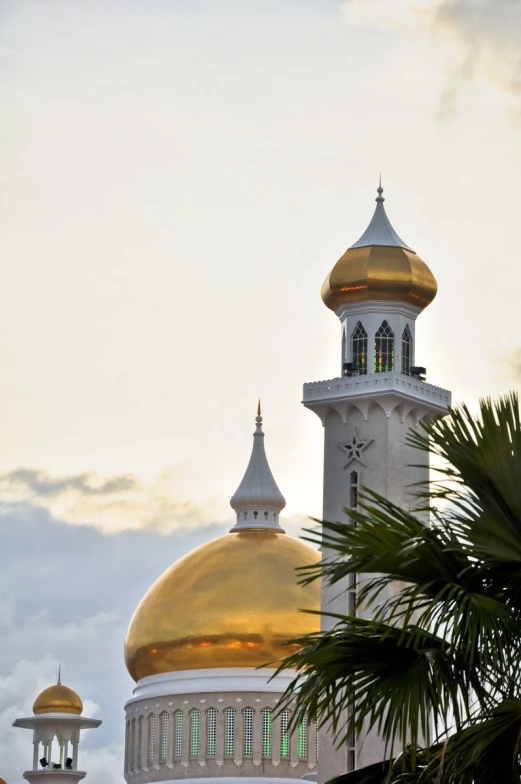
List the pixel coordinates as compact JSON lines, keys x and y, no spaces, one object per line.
{"x":210,"y":681}
{"x":354,"y":448}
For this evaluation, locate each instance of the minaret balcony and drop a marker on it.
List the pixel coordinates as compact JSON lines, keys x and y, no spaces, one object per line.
{"x":390,"y":390}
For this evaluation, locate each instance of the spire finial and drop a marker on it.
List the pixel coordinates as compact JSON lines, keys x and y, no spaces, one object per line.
{"x":258,"y":419}
{"x":59,"y":675}
{"x":380,"y":190}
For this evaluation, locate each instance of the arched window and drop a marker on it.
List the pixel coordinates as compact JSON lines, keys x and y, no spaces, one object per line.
{"x":284,"y":735}
{"x":229,"y":732}
{"x":384,"y":349}
{"x":132,"y":760}
{"x":211,"y":732}
{"x":303,"y":737}
{"x":247,"y":717}
{"x":266,"y":732}
{"x":353,"y":490}
{"x":163,"y":719}
{"x":406,"y":350}
{"x":128,"y":741}
{"x":178,"y":734}
{"x":195,"y":716}
{"x":359,"y":350}
{"x":151,"y":738}
{"x":141,"y":741}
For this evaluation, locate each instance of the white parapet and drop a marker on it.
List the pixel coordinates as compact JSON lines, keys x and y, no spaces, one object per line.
{"x":389,"y":390}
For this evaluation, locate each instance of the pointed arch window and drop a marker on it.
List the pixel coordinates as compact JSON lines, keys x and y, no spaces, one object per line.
{"x":359,"y":349}
{"x":195,"y":716}
{"x":211,"y":732}
{"x":384,"y":349}
{"x":178,"y":734}
{"x":353,"y":490}
{"x":141,"y":741}
{"x":266,"y":732}
{"x":303,"y":737}
{"x":229,"y":732}
{"x":163,"y":719}
{"x":406,"y":350}
{"x":284,"y":734}
{"x":247,"y":750}
{"x":151,"y":738}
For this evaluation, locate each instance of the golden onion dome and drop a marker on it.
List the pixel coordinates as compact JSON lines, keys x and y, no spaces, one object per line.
{"x":58,"y":699}
{"x":379,"y":266}
{"x":232,"y":602}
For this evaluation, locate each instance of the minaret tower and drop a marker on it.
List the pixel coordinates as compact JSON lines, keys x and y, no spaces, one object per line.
{"x":377,"y":289}
{"x":56,"y":727}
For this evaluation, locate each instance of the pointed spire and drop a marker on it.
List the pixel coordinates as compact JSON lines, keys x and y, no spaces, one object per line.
{"x":59,"y":675}
{"x":258,"y":501}
{"x":380,"y":231}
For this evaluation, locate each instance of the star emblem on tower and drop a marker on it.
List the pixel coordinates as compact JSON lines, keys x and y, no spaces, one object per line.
{"x":354,"y":448}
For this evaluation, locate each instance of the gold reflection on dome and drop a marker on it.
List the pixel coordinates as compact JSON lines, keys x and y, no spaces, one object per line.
{"x":232,"y":602}
{"x":379,"y":272}
{"x":58,"y":699}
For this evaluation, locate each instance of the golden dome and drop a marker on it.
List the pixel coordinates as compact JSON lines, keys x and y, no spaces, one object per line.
{"x":380,"y":273}
{"x":379,"y":266}
{"x":232,"y":602}
{"x":2,"y":781}
{"x":58,"y":699}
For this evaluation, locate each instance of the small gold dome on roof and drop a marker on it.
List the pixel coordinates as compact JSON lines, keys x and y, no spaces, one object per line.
{"x":380,"y":266}
{"x":58,"y":699}
{"x":232,"y":602}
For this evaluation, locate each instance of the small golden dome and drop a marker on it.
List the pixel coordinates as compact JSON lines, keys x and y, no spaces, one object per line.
{"x":379,"y":266}
{"x":232,"y":602}
{"x":58,"y":699}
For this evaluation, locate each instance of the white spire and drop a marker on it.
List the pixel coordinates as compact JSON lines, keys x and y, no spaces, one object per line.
{"x":380,"y":231}
{"x":258,"y":501}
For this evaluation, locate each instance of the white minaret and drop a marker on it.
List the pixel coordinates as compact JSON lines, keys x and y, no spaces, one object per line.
{"x":377,"y":289}
{"x":56,"y":727}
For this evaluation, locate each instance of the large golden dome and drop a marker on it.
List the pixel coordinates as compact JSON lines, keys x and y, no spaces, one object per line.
{"x":232,"y":602}
{"x":380,"y":266}
{"x":58,"y":699}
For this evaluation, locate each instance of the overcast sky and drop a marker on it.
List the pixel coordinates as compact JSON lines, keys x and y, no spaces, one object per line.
{"x":177,"y":177}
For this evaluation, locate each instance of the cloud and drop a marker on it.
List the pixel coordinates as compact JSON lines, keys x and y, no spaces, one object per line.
{"x":482,"y":35}
{"x":68,"y":593}
{"x":113,"y":504}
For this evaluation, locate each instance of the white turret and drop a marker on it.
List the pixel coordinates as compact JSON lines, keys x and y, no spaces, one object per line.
{"x":377,"y":289}
{"x":56,"y":727}
{"x":258,"y":500}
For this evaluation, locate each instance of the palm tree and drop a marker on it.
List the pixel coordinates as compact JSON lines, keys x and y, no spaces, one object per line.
{"x":439,"y":665}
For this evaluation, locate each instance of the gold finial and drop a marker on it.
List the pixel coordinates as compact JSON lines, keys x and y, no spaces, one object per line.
{"x":59,"y":675}
{"x":259,"y":413}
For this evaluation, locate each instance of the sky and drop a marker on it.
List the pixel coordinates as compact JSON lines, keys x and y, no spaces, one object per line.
{"x":177,"y":177}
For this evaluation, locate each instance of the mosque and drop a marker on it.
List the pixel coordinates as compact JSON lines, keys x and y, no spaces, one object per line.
{"x":202,"y":642}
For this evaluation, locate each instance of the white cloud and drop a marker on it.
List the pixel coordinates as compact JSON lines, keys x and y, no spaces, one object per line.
{"x":111,"y":503}
{"x":482,"y":38}
{"x":68,"y":593}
